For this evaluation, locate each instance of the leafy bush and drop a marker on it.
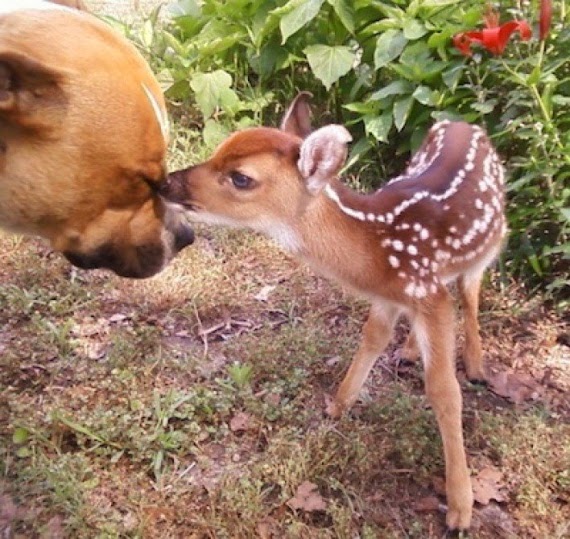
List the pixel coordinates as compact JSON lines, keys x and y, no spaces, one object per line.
{"x":387,"y":69}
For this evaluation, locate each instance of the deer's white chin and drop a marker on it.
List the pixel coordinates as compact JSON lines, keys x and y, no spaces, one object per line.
{"x":279,"y":232}
{"x":211,"y":219}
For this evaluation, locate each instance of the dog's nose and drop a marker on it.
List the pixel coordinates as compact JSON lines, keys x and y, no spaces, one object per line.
{"x":184,"y":236}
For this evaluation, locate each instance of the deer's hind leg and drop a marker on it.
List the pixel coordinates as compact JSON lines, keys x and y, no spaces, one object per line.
{"x":469,"y":288}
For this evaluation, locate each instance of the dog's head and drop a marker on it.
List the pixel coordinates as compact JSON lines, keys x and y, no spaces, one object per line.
{"x":83,"y":138}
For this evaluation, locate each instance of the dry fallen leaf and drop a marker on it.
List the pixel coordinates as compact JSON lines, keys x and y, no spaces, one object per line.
{"x":274,"y":399}
{"x":95,"y":350}
{"x":439,"y":485}
{"x":487,"y":485}
{"x":267,"y":528}
{"x":331,"y":362}
{"x":118,"y":317}
{"x":240,"y":422}
{"x":263,"y":294}
{"x":517,"y":387}
{"x":307,"y":498}
{"x":54,"y":528}
{"x":427,"y":504}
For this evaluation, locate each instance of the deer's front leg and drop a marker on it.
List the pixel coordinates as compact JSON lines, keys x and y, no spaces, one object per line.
{"x":435,"y":336}
{"x":376,"y":335}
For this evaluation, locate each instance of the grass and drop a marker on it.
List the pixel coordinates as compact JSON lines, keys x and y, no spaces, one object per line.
{"x":118,"y":400}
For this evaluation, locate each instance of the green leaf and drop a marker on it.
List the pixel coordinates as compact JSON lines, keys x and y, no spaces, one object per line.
{"x":216,"y":37}
{"x":345,"y":12}
{"x":90,"y":484}
{"x":534,"y":76}
{"x":178,"y":90}
{"x":214,"y":133}
{"x":390,"y":12}
{"x":565,"y":213}
{"x":438,"y":3}
{"x":362,"y":108}
{"x":329,"y":63}
{"x":426,"y":96}
{"x":379,"y":126}
{"x":301,"y":14}
{"x":535,"y":264}
{"x":486,"y":107}
{"x":397,"y":87}
{"x":20,"y":436}
{"x":439,"y":39}
{"x":23,"y":452}
{"x":388,"y":47}
{"x":147,"y":34}
{"x":402,"y":108}
{"x":452,"y":76}
{"x":414,"y":29}
{"x":270,"y":59}
{"x":210,"y":89}
{"x":357,"y":151}
{"x":185,"y":7}
{"x":173,"y":43}
{"x":229,"y":101}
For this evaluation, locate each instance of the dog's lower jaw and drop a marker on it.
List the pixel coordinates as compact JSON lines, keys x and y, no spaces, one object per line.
{"x":104,"y":258}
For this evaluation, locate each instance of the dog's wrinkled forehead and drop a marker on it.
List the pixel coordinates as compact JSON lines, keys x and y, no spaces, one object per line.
{"x":9,"y":6}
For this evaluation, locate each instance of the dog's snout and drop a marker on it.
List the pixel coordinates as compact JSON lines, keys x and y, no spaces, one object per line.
{"x":184,"y":236}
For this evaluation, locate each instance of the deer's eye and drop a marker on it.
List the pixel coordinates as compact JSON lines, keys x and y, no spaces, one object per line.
{"x":241,"y":181}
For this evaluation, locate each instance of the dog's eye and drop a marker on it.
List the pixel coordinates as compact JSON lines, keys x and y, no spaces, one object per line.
{"x":241,"y":181}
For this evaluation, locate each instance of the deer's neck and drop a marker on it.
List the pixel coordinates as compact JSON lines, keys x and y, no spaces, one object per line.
{"x":338,"y":240}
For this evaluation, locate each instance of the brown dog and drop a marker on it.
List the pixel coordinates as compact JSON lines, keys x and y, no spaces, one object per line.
{"x":83,"y":138}
{"x":441,"y":221}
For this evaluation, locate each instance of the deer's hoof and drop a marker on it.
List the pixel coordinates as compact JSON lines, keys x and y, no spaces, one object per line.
{"x":333,"y":408}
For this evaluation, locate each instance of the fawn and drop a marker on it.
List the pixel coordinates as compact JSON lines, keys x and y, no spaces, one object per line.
{"x":442,"y":220}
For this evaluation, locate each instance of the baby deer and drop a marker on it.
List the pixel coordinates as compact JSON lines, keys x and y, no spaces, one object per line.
{"x":442,"y":220}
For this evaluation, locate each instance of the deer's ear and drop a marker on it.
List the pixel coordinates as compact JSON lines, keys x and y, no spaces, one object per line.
{"x":323,"y":154}
{"x":31,"y":93}
{"x":297,"y":119}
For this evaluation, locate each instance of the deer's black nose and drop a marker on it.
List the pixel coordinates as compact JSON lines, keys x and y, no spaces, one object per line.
{"x":173,"y":189}
{"x":184,"y":236}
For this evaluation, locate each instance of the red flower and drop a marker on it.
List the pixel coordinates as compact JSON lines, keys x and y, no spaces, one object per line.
{"x":493,"y":37}
{"x":545,"y":18}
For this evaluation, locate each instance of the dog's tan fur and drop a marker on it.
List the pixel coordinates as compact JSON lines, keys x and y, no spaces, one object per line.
{"x":82,"y":142}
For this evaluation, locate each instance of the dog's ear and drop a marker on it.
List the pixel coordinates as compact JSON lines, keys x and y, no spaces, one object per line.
{"x":297,"y":119}
{"x":31,"y":93}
